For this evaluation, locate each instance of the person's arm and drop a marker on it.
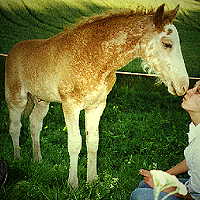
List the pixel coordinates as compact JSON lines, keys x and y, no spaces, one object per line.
{"x":178,"y":169}
{"x":171,"y":189}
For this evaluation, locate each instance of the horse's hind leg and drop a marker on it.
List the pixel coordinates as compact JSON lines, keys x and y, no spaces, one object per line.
{"x":36,"y":121}
{"x":16,"y":107}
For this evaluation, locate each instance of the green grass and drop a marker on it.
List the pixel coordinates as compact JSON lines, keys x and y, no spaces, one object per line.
{"x":143,"y":126}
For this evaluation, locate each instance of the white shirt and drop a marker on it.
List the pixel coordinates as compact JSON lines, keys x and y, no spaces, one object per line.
{"x":192,"y":157}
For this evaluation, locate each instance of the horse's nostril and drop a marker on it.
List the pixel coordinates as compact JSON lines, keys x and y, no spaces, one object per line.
{"x":185,"y":88}
{"x":185,"y":85}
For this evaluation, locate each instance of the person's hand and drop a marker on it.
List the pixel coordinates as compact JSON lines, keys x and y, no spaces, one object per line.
{"x":147,"y":177}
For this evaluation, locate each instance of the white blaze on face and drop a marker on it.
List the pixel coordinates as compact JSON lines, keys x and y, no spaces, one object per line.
{"x":163,"y":53}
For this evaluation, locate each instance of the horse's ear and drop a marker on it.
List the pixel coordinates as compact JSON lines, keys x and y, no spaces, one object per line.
{"x":171,"y":15}
{"x":158,"y":18}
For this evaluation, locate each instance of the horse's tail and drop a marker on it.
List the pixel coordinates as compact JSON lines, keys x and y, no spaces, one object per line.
{"x":29,"y":105}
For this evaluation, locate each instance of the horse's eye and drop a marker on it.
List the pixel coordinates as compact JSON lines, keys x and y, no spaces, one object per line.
{"x":167,"y":45}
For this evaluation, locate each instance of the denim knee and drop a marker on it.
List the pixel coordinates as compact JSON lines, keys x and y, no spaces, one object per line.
{"x":147,"y":194}
{"x":142,"y":194}
{"x":142,"y":184}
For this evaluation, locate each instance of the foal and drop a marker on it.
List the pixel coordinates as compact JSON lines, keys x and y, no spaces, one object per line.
{"x":77,"y":68}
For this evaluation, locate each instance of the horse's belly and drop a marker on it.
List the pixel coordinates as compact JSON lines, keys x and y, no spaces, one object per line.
{"x":46,"y":92}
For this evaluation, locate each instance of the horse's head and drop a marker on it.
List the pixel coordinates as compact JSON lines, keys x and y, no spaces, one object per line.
{"x":163,"y":52}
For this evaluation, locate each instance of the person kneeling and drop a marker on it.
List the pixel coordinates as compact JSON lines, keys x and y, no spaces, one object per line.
{"x":191,"y":163}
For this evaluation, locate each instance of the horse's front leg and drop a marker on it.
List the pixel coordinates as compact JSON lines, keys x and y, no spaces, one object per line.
{"x":92,"y":118}
{"x":71,"y":114}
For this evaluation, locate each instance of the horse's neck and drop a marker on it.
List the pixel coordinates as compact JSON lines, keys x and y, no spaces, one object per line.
{"x":112,"y":47}
{"x":126,"y":44}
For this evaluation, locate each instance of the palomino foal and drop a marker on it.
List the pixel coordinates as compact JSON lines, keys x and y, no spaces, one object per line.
{"x":77,"y":68}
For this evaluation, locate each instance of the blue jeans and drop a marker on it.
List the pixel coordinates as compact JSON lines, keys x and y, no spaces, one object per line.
{"x":145,"y":192}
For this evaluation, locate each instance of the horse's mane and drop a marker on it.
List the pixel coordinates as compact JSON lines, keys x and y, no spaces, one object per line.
{"x":138,"y":7}
{"x":108,"y":15}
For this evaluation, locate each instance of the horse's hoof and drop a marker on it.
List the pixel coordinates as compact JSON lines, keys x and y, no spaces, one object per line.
{"x":93,"y":179}
{"x":17,"y":156}
{"x":73,"y":183}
